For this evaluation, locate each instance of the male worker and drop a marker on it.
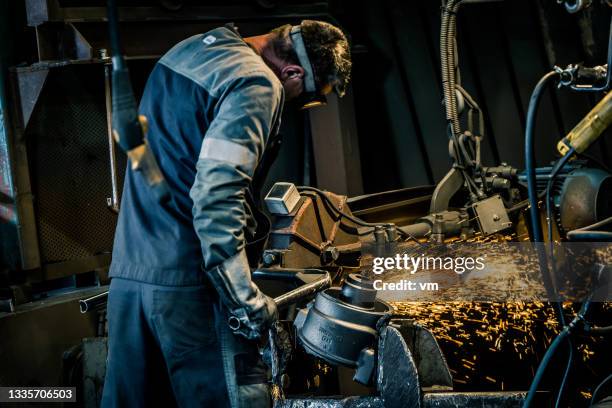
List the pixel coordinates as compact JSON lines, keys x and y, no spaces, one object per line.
{"x":179,"y":269}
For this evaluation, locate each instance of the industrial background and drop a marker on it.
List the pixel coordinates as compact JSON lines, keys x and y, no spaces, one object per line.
{"x":58,"y":200}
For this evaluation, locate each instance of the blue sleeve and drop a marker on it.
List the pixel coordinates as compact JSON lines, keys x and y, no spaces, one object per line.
{"x":245,"y":116}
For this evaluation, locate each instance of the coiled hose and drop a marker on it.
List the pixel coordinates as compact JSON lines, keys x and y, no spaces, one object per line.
{"x":448,"y":63}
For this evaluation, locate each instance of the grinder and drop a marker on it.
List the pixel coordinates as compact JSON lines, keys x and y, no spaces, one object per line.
{"x":340,"y":325}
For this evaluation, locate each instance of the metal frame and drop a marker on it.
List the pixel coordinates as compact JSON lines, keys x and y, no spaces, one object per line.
{"x":43,"y":11}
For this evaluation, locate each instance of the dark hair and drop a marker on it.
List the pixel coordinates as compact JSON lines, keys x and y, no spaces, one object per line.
{"x":327,"y":49}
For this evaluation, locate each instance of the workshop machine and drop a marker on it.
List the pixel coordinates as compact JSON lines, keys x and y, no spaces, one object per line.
{"x":338,"y":345}
{"x":346,"y":326}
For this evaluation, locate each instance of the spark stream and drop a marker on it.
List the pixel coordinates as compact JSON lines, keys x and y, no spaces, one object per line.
{"x":415,"y":263}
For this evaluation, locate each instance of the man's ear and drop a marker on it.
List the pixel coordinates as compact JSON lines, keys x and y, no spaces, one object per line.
{"x":292,"y":71}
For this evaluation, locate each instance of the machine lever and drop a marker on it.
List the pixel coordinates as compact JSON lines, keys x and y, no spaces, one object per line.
{"x":293,"y":296}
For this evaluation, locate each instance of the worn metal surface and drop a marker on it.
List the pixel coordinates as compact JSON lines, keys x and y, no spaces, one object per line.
{"x":430,"y":400}
{"x":474,"y":400}
{"x":350,"y":402}
{"x":586,"y":198}
{"x":398,"y":380}
{"x":491,"y":215}
{"x":299,"y":240}
{"x":431,"y":365}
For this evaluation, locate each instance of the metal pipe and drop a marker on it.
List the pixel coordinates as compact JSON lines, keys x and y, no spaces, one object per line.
{"x":113,"y":201}
{"x":304,"y":291}
{"x":94,"y":302}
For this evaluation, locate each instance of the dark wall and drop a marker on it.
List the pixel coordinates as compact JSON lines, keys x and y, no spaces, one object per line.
{"x":504,"y":48}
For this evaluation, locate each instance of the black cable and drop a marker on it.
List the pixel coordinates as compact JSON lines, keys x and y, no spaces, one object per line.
{"x":587,"y":233}
{"x":355,"y":220}
{"x":598,"y":224}
{"x":534,"y":101}
{"x":598,"y":388}
{"x":536,"y":228}
{"x":568,"y":367}
{"x":575,"y":324}
{"x":351,"y":218}
{"x":549,"y":204}
{"x":593,"y":236}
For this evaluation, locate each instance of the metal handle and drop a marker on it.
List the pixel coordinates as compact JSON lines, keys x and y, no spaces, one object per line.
{"x":293,"y":296}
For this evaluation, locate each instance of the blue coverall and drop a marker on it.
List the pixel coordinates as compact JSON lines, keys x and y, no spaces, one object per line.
{"x":212,"y":104}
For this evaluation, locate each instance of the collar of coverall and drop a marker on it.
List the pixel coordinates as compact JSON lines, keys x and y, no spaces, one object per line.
{"x":300,"y":50}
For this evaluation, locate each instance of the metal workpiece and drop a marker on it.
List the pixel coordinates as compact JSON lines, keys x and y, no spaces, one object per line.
{"x":586,"y":197}
{"x":357,"y":291}
{"x":341,"y":322}
{"x":323,"y":281}
{"x":426,"y":353}
{"x":398,"y":380}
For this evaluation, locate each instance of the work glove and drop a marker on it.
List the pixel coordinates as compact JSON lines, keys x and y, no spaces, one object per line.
{"x":251,"y":312}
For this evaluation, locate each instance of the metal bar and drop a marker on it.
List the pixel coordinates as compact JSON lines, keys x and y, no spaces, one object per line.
{"x":94,"y":302}
{"x":304,"y":291}
{"x":113,"y":201}
{"x":74,"y":266}
{"x":51,"y":11}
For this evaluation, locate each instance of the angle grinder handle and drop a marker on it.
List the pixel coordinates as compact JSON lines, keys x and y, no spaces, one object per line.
{"x":292,"y":296}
